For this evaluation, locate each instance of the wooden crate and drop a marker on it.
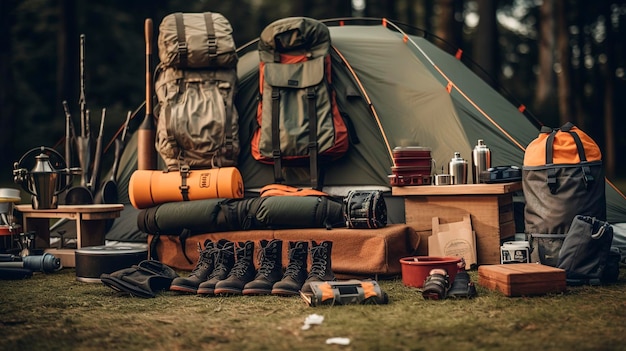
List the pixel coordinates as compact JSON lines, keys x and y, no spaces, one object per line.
{"x":522,"y":279}
{"x":490,"y":207}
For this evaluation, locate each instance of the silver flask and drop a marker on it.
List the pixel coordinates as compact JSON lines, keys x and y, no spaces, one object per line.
{"x":481,"y":160}
{"x":458,"y":169}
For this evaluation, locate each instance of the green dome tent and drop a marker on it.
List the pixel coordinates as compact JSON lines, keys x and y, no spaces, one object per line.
{"x":398,"y":90}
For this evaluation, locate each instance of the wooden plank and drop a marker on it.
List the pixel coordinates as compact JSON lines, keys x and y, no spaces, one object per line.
{"x":460,"y":189}
{"x":64,"y":210}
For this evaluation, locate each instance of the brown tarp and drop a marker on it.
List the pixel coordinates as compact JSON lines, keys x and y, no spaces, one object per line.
{"x":355,"y":252}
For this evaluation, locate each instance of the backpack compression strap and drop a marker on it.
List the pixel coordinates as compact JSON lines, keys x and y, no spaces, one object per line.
{"x":276,"y":156}
{"x":180,"y":38}
{"x":181,"y":34}
{"x":552,"y":179}
{"x":313,"y":146}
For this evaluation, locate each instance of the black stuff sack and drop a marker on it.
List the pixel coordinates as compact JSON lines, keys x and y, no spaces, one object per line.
{"x":586,"y":251}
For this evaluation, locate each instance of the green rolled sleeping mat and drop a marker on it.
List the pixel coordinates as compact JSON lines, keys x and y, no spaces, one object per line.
{"x":216,"y":215}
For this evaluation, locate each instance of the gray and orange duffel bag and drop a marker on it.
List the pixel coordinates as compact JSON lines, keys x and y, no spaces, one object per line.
{"x":562,"y":177}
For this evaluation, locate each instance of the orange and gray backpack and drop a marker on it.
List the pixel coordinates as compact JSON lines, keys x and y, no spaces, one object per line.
{"x":562,"y":177}
{"x":297,"y":116}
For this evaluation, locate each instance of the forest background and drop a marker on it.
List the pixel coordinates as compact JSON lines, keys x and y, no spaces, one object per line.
{"x":562,"y":60}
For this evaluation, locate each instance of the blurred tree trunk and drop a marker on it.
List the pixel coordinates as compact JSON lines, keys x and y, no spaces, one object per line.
{"x":609,"y":92}
{"x":446,"y":25}
{"x":578,"y":75}
{"x":67,"y":53}
{"x":544,"y":91}
{"x":7,"y":89}
{"x":563,"y":72}
{"x":486,"y":41}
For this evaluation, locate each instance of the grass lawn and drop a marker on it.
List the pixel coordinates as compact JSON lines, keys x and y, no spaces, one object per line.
{"x":56,"y":312}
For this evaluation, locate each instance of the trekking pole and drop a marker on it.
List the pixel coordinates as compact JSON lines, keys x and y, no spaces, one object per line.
{"x":146,"y":152}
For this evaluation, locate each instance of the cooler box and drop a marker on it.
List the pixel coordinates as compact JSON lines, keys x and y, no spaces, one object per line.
{"x":522,"y":279}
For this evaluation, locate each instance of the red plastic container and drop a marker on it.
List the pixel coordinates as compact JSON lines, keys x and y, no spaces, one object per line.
{"x":415,"y":269}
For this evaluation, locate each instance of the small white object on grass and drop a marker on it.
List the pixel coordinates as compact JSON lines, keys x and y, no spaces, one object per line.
{"x":312,"y":319}
{"x":338,"y":341}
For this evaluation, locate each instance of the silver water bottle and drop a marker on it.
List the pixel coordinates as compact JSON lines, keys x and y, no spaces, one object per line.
{"x":481,"y":160}
{"x":458,"y":169}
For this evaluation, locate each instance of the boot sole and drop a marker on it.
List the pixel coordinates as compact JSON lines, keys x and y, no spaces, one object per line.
{"x":205,"y":292}
{"x":223,"y":291}
{"x":184,"y":289}
{"x":256,"y":291}
{"x":281,"y":292}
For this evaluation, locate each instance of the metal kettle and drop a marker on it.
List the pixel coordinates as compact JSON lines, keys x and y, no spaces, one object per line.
{"x":43,"y":181}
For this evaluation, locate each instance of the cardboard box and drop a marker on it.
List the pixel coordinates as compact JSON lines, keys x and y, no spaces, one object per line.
{"x":522,"y":279}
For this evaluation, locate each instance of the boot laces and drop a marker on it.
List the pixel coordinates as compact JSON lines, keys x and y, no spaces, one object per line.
{"x":239,"y":269}
{"x":267,"y":265}
{"x":318,"y":266}
{"x":204,"y":261}
{"x":294,"y":267}
{"x":241,"y":266}
{"x":220,"y":266}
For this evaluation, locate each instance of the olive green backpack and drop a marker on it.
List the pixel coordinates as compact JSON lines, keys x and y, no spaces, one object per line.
{"x":195,"y":86}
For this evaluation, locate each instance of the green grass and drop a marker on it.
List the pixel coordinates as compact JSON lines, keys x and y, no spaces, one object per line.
{"x":57,"y":312}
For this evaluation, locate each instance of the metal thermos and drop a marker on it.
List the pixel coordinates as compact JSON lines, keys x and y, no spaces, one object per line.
{"x":458,"y":169}
{"x":481,"y":160}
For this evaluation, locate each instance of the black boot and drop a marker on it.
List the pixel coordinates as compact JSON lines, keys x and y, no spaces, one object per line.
{"x":224,"y":262}
{"x":243,"y":271}
{"x":295,"y":274}
{"x":270,"y":268}
{"x":201,"y":271}
{"x":321,"y":265}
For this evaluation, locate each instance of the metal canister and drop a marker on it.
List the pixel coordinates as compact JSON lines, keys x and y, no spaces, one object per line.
{"x":458,"y":169}
{"x":481,"y":160}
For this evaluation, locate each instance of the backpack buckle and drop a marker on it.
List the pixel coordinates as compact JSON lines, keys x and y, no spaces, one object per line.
{"x":212,"y":43}
{"x":182,"y":48}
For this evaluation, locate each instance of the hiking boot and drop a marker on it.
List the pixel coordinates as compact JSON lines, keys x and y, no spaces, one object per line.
{"x":321,"y":265}
{"x":243,"y":271}
{"x":295,"y":274}
{"x":200,"y":272}
{"x":224,"y":262}
{"x":270,"y":268}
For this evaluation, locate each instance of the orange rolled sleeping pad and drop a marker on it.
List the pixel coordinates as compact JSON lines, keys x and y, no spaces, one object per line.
{"x":149,"y":188}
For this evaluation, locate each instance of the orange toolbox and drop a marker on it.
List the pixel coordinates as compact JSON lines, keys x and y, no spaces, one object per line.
{"x":522,"y":279}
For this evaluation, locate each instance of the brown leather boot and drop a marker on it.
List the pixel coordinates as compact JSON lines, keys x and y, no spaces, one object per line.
{"x":243,"y":271}
{"x":321,"y":265}
{"x":296,"y":272}
{"x":200,"y":272}
{"x":224,"y":262}
{"x":270,"y":268}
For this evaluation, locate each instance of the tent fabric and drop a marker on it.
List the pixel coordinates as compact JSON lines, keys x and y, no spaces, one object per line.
{"x":398,"y":90}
